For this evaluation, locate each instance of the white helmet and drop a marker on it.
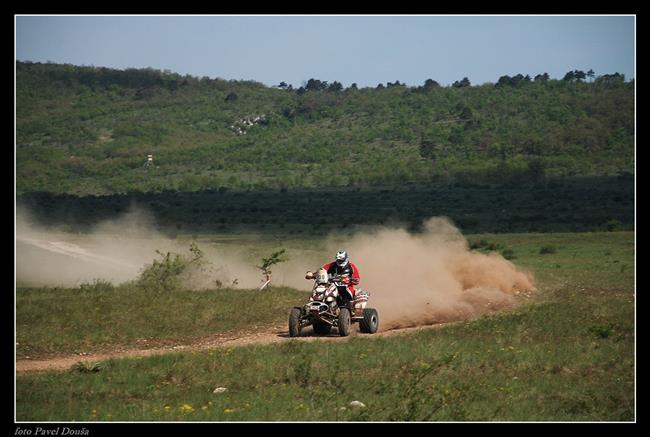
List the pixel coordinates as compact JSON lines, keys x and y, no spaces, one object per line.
{"x":342,"y":258}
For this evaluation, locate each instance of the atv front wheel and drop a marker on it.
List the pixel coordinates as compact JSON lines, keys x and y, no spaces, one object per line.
{"x":294,"y":322}
{"x":344,"y":322}
{"x":370,"y":321}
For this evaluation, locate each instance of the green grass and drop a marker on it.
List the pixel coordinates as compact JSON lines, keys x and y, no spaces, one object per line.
{"x":586,"y":260}
{"x":540,"y":362}
{"x":52,"y":321}
{"x":566,"y":354}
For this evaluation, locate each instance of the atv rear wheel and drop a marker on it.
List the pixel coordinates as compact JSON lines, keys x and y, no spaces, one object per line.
{"x":322,"y":328}
{"x":370,"y":321}
{"x":344,"y":322}
{"x":294,"y":322}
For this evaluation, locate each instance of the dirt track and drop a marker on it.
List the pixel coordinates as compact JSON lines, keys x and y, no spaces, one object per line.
{"x":272,"y":335}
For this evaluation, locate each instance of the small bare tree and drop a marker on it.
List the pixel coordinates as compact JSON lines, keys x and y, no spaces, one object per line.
{"x":274,"y":258}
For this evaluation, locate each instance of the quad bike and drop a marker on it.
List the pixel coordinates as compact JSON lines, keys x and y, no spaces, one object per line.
{"x":326,"y":308}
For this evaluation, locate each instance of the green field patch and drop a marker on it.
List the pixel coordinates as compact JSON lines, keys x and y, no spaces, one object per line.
{"x":56,"y":321}
{"x":535,"y":363}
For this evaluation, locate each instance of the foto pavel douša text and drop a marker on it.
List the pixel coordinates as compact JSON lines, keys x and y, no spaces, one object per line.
{"x":58,"y":430}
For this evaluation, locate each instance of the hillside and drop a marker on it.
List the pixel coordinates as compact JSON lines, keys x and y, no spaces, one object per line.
{"x":88,"y":130}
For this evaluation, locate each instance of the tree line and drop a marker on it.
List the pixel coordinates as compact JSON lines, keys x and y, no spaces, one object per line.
{"x":143,"y":78}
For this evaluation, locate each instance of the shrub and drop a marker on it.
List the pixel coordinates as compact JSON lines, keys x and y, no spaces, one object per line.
{"x":473,"y":244}
{"x":547,"y":249}
{"x":613,"y":225}
{"x":602,"y":330}
{"x":87,"y":367}
{"x":97,"y":285}
{"x":168,"y":273}
{"x":485,"y":245}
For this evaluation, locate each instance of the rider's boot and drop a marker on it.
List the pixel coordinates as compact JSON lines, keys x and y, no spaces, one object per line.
{"x":354,"y":311}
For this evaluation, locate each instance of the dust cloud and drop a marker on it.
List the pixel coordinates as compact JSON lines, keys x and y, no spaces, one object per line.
{"x":413,"y":279}
{"x":116,"y":251}
{"x":431,"y":277}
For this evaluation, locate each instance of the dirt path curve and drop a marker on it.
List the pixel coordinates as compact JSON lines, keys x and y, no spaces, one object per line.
{"x":272,"y":335}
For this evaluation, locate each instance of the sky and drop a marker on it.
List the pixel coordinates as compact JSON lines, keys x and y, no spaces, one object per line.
{"x":366,"y":50}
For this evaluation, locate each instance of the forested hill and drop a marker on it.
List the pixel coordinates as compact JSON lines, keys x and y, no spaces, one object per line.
{"x":88,"y":130}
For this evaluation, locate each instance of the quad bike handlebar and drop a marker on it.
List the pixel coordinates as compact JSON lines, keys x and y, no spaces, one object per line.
{"x":335,"y":278}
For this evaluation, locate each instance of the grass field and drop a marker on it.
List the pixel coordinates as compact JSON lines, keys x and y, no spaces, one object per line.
{"x":565,"y":354}
{"x":53,"y":322}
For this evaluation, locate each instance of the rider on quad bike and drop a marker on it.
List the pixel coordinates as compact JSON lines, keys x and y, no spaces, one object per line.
{"x":334,"y":301}
{"x":343,"y":266}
